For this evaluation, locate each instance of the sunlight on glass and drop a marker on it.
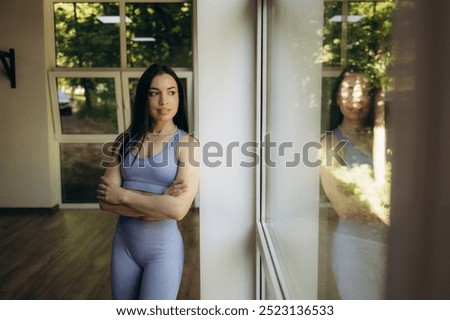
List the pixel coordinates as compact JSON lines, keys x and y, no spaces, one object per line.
{"x":359,"y":182}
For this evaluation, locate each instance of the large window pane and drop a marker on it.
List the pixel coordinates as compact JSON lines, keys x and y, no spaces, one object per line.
{"x":81,"y":171}
{"x":87,"y":105}
{"x":83,"y":38}
{"x":352,"y":251}
{"x":159,"y":32}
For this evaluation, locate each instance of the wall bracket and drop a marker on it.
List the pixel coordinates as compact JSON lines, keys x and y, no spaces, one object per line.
{"x":10,"y":67}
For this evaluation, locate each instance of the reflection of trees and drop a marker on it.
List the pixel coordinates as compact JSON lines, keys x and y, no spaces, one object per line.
{"x":332,"y":33}
{"x":368,"y":41}
{"x":360,"y":33}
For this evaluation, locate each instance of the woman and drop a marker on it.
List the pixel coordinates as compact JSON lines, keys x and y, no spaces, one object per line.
{"x":358,"y":243}
{"x":151,"y":185}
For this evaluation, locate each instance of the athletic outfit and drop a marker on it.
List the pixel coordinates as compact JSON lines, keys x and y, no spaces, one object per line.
{"x":148,"y":256}
{"x":352,"y":154}
{"x":358,"y":249}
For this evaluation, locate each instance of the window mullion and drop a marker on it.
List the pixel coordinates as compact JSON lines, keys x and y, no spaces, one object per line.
{"x":344,"y":44}
{"x":123,"y":40}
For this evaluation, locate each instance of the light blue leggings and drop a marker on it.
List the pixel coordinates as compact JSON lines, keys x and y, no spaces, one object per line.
{"x":358,"y":253}
{"x":147,"y":260}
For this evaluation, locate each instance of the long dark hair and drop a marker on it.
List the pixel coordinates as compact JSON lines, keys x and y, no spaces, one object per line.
{"x":336,"y":115}
{"x":140,"y":117}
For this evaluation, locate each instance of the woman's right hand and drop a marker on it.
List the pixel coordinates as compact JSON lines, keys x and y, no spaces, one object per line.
{"x":176,"y":188}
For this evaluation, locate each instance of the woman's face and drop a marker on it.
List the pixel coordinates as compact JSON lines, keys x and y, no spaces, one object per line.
{"x":353,"y":96}
{"x":163,"y":98}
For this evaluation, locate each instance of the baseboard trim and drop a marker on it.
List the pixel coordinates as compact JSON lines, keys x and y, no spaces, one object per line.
{"x":49,"y":211}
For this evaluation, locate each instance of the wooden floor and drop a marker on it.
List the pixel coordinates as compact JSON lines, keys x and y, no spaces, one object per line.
{"x":67,"y":255}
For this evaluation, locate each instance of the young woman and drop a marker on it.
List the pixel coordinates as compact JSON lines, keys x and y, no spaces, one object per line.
{"x":358,"y":249}
{"x":150,"y":185}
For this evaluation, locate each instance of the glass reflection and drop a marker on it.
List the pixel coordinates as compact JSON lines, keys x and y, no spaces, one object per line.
{"x":332,"y":34}
{"x":369,"y":40}
{"x":355,"y":193}
{"x":358,"y":242}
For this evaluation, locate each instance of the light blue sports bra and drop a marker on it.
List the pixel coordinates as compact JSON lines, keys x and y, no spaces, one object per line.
{"x":153,"y":174}
{"x":352,"y":154}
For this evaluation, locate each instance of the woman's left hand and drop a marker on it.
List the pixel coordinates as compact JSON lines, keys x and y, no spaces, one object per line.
{"x":109,"y":192}
{"x":176,"y":188}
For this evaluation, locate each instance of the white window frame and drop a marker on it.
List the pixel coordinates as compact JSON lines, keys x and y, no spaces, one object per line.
{"x":269,"y":275}
{"x":271,"y":282}
{"x":122,"y":29}
{"x":267,"y":264}
{"x":121,"y":77}
{"x":87,"y":137}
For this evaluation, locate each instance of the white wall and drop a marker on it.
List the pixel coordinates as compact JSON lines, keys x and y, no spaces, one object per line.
{"x":24,"y":131}
{"x":226,"y":32}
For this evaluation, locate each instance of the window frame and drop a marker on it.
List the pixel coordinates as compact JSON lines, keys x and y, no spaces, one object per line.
{"x":122,"y":30}
{"x":121,"y":77}
{"x":268,"y":273}
{"x":271,"y":277}
{"x":85,"y":137}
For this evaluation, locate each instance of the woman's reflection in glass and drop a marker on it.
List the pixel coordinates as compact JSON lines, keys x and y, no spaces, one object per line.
{"x":358,"y":248}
